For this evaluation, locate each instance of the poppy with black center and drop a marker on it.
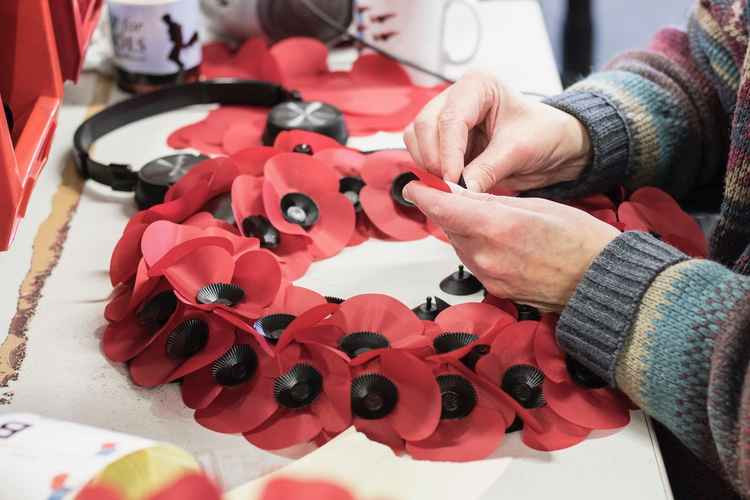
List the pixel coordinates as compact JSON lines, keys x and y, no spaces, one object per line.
{"x":358,"y":343}
{"x":236,"y":366}
{"x":187,"y":339}
{"x":271,"y":327}
{"x":397,"y":188}
{"x":374,"y":396}
{"x":258,"y":226}
{"x":227,"y":294}
{"x":300,"y":209}
{"x":156,"y":311}
{"x":350,"y":187}
{"x":298,"y":387}
{"x":304,"y":149}
{"x":458,"y":397}
{"x":524,"y":384}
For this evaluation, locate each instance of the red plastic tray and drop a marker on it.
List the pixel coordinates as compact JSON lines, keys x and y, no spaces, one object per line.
{"x":31,"y":82}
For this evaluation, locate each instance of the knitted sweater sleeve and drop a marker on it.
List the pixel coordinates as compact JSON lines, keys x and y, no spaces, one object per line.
{"x":655,"y":116}
{"x":671,"y":332}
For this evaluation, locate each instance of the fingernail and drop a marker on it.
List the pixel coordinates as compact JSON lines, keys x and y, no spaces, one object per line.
{"x":405,"y":194}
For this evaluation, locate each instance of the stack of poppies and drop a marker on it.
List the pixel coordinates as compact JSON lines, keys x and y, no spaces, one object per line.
{"x":205,"y":297}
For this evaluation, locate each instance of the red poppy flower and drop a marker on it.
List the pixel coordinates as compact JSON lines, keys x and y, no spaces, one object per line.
{"x":511,"y":366}
{"x":394,"y":398}
{"x":210,"y":275}
{"x":472,"y":421}
{"x":652,"y":210}
{"x":185,"y":344}
{"x":303,"y":141}
{"x":151,"y":313}
{"x":190,"y":486}
{"x":372,"y":321}
{"x":286,"y":489}
{"x":572,"y":391}
{"x":465,"y":332}
{"x":301,"y":197}
{"x":385,"y":174}
{"x":309,"y":392}
{"x":294,"y":252}
{"x":225,"y":392}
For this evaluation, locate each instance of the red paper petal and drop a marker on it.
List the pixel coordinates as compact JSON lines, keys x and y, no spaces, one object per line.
{"x":291,"y":173}
{"x":347,"y":162}
{"x":98,"y":492}
{"x":258,"y":273}
{"x":193,"y":486}
{"x":247,"y":197}
{"x":285,"y":429}
{"x":239,"y":409}
{"x":248,"y":55}
{"x":590,"y":408}
{"x":295,"y":256}
{"x":335,"y":226}
{"x":376,"y":70}
{"x":380,"y":431}
{"x":377,"y":313}
{"x":299,"y":57}
{"x":400,"y":224}
{"x":164,"y":238}
{"x":383,"y":101}
{"x":504,"y":304}
{"x":382,"y":167}
{"x":287,"y":140}
{"x":205,"y":220}
{"x":127,"y":254}
{"x":549,"y":357}
{"x":555,"y":433}
{"x":241,"y":136}
{"x":514,"y":345}
{"x":199,"y":389}
{"x":429,"y":179}
{"x":251,"y":161}
{"x":473,"y":317}
{"x":203,"y":266}
{"x":472,"y":438}
{"x":296,"y":300}
{"x":124,"y":303}
{"x":593,"y":203}
{"x":287,"y":489}
{"x":419,"y":404}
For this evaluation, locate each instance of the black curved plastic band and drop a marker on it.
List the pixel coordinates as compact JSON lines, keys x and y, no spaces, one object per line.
{"x":121,"y":177}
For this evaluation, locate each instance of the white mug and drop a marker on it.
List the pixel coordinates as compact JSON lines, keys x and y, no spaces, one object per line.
{"x":415,"y":30}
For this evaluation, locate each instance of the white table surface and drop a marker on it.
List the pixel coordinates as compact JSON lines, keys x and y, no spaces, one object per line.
{"x":65,"y":376}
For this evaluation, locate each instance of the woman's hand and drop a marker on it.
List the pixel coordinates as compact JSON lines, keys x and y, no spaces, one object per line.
{"x":529,"y":250}
{"x":502,"y":137}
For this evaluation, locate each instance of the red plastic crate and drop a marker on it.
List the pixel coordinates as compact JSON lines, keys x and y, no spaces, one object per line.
{"x":32,"y":83}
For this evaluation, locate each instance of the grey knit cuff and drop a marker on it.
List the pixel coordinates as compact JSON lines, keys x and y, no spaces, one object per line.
{"x":598,"y":318}
{"x":609,"y":139}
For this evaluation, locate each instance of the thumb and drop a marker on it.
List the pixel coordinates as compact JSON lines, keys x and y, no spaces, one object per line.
{"x":492,"y":165}
{"x":453,"y":212}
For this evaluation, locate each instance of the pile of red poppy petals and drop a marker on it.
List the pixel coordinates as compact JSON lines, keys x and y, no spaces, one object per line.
{"x":205,"y":297}
{"x":302,"y":64}
{"x":650,"y":210}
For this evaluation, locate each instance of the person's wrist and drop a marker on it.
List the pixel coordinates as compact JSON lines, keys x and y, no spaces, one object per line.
{"x":579,"y":147}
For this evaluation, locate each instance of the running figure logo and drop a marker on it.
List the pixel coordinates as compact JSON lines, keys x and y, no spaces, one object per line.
{"x":178,"y":44}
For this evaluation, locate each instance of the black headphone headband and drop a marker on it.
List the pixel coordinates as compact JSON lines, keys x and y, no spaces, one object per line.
{"x":121,"y":177}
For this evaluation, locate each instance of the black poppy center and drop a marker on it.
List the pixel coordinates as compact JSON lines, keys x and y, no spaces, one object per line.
{"x":583,"y":376}
{"x":397,"y":188}
{"x":260,"y":227}
{"x":524,"y":384}
{"x":528,"y":313}
{"x":458,"y":397}
{"x":476,"y":352}
{"x":304,"y":149}
{"x":235,"y":366}
{"x":300,"y":209}
{"x":273,"y":326}
{"x":334,"y":300}
{"x":373,"y":396}
{"x":187,"y":339}
{"x":221,"y":208}
{"x":298,"y":387}
{"x":350,"y":187}
{"x":358,"y":343}
{"x":226,"y":294}
{"x":155,"y":312}
{"x":451,"y":341}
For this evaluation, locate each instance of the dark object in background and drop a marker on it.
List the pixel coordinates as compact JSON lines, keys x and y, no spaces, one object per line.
{"x":462,"y":282}
{"x":312,"y":116}
{"x":578,"y":35}
{"x":284,"y":18}
{"x":155,"y":177}
{"x":430,"y":308}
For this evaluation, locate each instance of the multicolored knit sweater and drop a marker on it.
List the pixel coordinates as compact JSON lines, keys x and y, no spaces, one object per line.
{"x":674,"y":332}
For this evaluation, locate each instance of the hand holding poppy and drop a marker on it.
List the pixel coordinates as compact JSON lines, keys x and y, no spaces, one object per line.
{"x":501,"y":137}
{"x":529,"y":250}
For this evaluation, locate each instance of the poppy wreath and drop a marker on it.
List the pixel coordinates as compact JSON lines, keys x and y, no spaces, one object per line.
{"x":204,"y":297}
